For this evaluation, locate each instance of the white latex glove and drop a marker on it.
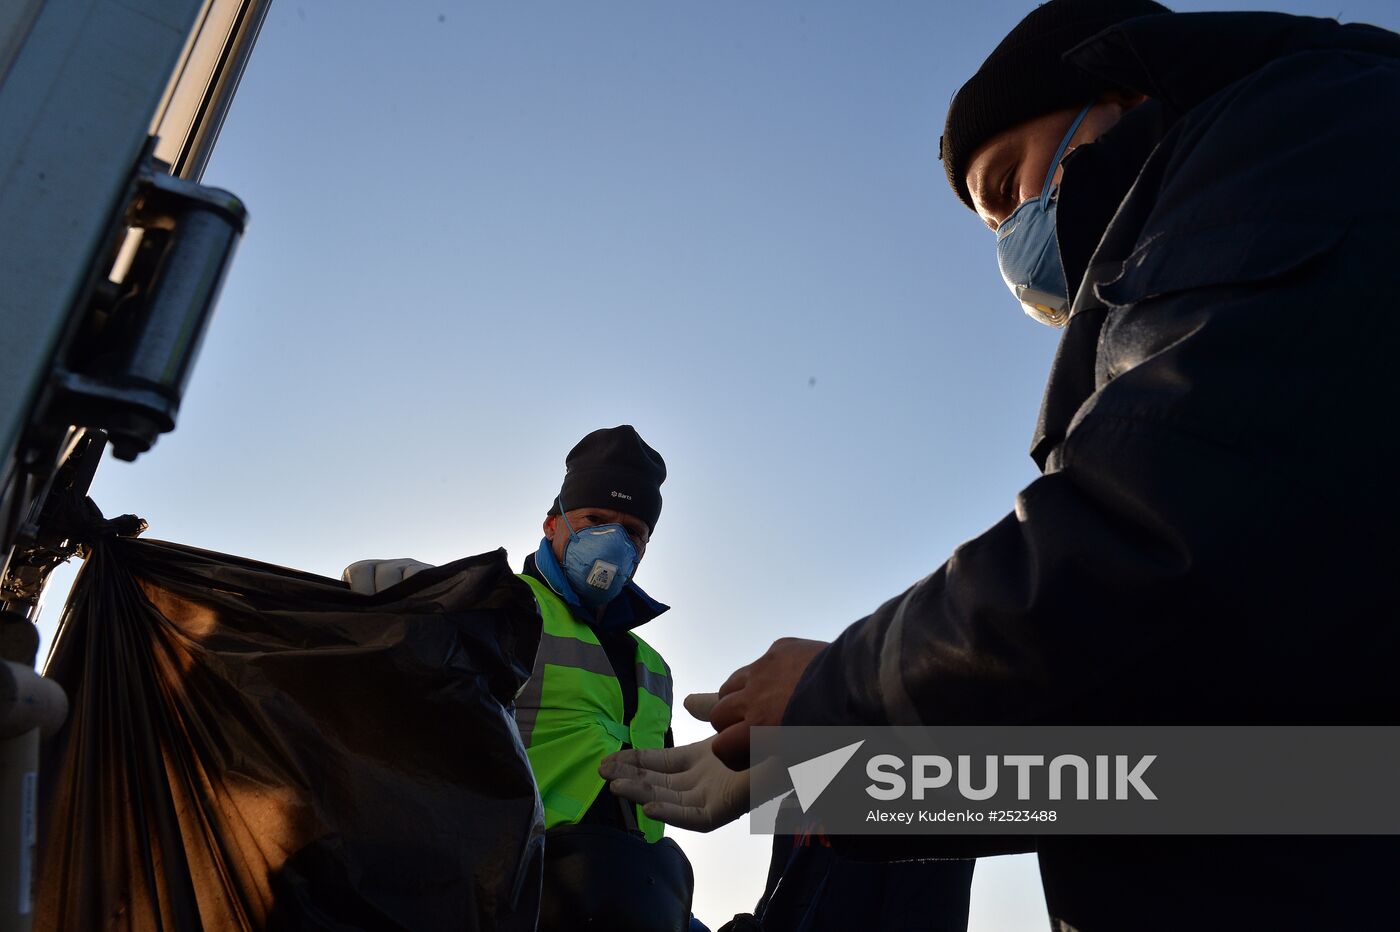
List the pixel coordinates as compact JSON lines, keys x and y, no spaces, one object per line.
{"x":687,"y":787}
{"x":370,"y":576}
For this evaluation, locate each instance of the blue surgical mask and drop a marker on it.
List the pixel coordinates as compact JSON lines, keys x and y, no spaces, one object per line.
{"x":1028,"y":250}
{"x":598,"y":561}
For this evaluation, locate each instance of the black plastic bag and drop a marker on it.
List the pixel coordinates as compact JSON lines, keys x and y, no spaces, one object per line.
{"x":254,"y":747}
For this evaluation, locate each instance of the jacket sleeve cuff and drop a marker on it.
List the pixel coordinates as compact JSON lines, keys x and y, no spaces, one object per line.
{"x":857,"y":679}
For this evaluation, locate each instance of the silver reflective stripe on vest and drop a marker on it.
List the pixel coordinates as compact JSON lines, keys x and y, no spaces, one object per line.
{"x":564,"y":652}
{"x":525,"y":717}
{"x":571,"y":652}
{"x":658,"y":684}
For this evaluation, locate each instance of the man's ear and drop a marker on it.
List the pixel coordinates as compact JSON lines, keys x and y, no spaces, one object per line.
{"x":550,"y":521}
{"x":1125,"y":99}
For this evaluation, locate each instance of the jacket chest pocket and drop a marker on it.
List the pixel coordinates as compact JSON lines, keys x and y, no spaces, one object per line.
{"x":1174,"y":285}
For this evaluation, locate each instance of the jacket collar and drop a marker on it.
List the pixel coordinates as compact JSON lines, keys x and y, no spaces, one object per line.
{"x":1145,"y":54}
{"x":632,"y":609}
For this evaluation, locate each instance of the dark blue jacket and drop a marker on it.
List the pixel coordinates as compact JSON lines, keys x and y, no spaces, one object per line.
{"x":1213,"y":538}
{"x":812,"y":888}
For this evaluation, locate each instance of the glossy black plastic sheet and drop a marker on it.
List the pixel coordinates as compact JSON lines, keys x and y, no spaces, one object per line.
{"x":255,"y":747}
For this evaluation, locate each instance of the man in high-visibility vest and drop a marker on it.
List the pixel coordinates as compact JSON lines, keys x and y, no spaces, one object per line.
{"x":596,"y":685}
{"x":596,"y":688}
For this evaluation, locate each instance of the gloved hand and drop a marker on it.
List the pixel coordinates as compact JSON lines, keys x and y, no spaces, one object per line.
{"x":688,"y":786}
{"x":370,"y":576}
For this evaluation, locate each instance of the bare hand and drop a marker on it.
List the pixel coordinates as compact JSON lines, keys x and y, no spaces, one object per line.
{"x":757,"y":694}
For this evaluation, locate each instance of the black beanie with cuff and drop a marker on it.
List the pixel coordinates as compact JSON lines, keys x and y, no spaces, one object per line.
{"x":614,"y":468}
{"x":1026,"y":76}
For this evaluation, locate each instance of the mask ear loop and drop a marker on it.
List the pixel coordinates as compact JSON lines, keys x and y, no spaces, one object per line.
{"x":1059,"y":154}
{"x":560,"y":502}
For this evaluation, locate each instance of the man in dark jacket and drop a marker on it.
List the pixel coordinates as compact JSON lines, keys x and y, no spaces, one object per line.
{"x":1211,"y":539}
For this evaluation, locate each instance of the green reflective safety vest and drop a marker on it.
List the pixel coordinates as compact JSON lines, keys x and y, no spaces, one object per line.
{"x":570,"y":712}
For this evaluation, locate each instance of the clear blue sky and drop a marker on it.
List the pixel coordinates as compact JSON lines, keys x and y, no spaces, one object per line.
{"x":480,"y":230}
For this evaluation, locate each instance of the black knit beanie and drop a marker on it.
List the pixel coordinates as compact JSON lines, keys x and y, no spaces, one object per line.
{"x":1026,"y":76}
{"x":614,"y":468}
